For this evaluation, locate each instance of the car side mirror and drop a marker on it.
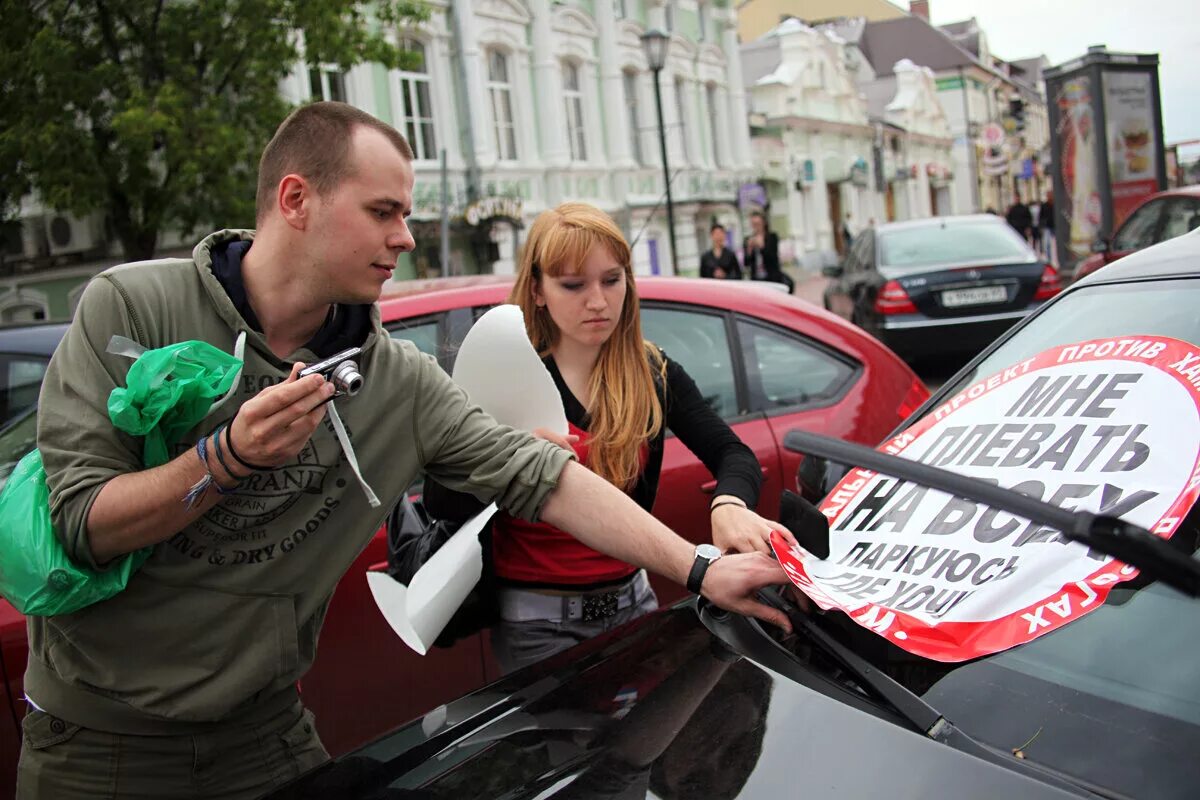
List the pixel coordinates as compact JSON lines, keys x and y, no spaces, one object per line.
{"x":832,"y":271}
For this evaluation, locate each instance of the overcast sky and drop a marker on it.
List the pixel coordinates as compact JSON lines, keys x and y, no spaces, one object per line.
{"x":1063,"y":29}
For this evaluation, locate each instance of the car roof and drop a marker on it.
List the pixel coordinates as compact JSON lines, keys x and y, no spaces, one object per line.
{"x":456,"y":292}
{"x":937,"y":222}
{"x":32,"y":338}
{"x":1174,"y":258}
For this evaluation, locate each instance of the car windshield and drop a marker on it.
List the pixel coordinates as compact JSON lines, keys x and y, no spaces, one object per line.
{"x":1113,"y":698}
{"x":950,"y":244}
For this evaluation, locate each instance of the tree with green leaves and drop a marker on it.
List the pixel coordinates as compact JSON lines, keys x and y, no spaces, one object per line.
{"x":155,"y":111}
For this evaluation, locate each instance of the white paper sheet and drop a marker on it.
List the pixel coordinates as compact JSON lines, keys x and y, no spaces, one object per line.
{"x":502,"y":373}
{"x":418,"y":612}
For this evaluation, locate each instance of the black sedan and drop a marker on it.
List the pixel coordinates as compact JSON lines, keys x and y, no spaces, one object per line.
{"x":941,"y":286}
{"x":693,"y":702}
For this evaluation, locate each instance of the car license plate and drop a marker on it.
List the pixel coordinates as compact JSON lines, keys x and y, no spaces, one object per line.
{"x":956,"y":298}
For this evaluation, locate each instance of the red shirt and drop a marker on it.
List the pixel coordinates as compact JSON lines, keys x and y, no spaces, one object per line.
{"x":542,"y":555}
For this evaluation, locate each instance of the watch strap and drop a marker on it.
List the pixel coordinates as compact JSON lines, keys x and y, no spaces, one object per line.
{"x":696,"y":577}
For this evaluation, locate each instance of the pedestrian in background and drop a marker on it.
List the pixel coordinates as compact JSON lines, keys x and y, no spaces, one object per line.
{"x":719,"y":261}
{"x":576,"y":290}
{"x":1046,"y":227}
{"x":847,"y":233}
{"x":1021,"y":219}
{"x":184,"y":685}
{"x":760,"y":254}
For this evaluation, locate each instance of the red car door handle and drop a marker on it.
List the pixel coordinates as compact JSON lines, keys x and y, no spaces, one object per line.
{"x":711,"y":486}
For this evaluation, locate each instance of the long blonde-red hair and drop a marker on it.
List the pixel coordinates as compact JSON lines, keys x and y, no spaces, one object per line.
{"x":625,"y":411}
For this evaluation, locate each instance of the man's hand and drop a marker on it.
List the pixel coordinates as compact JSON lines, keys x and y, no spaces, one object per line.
{"x":737,"y":529}
{"x":566,"y":442}
{"x":731,"y":582}
{"x":274,"y":425}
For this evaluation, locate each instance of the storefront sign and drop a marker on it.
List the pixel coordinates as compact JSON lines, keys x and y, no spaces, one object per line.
{"x":1110,"y":426}
{"x":492,"y":207}
{"x":752,"y":194}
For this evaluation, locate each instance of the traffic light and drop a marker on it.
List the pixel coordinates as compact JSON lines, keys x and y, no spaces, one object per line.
{"x":1016,"y":110}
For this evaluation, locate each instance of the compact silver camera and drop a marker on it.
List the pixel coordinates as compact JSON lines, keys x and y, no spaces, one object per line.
{"x":341,"y":370}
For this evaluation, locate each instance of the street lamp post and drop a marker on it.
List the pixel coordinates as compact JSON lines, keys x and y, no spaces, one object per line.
{"x":655,"y":43}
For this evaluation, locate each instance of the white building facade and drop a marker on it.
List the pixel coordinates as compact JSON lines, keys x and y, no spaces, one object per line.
{"x":826,"y":161}
{"x":537,"y":103}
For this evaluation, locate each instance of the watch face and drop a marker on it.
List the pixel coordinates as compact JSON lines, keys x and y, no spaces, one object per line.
{"x":708,"y":551}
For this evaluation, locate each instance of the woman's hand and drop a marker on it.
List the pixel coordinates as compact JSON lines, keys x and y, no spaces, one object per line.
{"x":737,"y":529}
{"x":566,"y":442}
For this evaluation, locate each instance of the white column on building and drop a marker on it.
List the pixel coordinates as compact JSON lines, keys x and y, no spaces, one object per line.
{"x":524,"y":105}
{"x":477,"y":104}
{"x":738,"y":122}
{"x":445,"y":116}
{"x":692,"y":120}
{"x":547,"y":77}
{"x":724,"y":150}
{"x":612,"y":90}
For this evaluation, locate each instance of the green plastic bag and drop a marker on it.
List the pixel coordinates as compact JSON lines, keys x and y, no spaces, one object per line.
{"x":168,"y":391}
{"x":36,"y":575}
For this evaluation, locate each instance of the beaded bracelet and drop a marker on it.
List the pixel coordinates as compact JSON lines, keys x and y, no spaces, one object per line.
{"x":201,"y":486}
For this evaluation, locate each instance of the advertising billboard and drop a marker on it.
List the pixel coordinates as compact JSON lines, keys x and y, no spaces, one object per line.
{"x":1106,"y":146}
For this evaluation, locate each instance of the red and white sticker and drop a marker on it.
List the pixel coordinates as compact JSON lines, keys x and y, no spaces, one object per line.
{"x":1108,"y":425}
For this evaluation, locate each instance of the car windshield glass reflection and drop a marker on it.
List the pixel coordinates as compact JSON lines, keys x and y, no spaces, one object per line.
{"x":1160,"y":308}
{"x":1113,"y":698}
{"x":950,"y":245}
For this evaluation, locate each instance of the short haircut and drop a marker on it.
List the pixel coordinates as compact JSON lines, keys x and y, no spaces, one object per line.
{"x":716,"y":226}
{"x":314,"y":141}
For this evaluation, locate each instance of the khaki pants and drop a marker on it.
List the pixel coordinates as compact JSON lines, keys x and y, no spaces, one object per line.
{"x":63,"y":761}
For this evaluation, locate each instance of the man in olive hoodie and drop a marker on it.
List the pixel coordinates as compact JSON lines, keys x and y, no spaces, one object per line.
{"x":184,"y":684}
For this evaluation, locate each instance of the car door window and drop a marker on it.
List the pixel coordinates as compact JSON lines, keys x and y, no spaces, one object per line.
{"x":784,"y":371}
{"x":21,"y":378}
{"x":1138,"y":230}
{"x":1181,"y":215}
{"x":699,"y":342}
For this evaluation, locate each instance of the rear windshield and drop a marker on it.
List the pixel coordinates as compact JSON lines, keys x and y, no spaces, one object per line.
{"x":951,"y":245}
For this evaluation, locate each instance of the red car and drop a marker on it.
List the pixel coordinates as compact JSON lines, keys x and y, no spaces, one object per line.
{"x":1160,"y":217}
{"x":766,"y":361}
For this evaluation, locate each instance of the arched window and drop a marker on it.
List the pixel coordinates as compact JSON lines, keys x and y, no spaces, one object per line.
{"x":417,"y":105}
{"x":573,"y":94}
{"x":500,"y":94}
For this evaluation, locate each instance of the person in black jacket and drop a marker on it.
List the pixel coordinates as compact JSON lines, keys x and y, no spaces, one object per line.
{"x":719,"y":262}
{"x":576,"y":290}
{"x":760,"y":254}
{"x":1020,"y":218}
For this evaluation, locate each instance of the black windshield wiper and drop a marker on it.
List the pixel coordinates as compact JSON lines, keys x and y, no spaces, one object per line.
{"x":922,"y":716}
{"x":1106,"y":534}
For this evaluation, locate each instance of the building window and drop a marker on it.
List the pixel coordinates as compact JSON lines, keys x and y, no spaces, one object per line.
{"x":574,"y":99}
{"x":500,"y":92}
{"x":681,"y":115}
{"x":327,"y":83}
{"x":702,"y":16}
{"x":417,"y":112}
{"x":621,"y":9}
{"x":635,"y":123}
{"x":714,"y":125}
{"x":670,"y":15}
